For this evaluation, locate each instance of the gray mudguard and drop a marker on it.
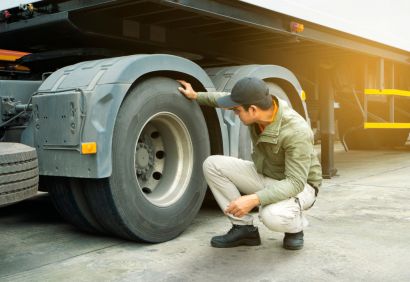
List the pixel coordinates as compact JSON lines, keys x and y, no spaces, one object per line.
{"x":79,"y":103}
{"x":224,"y":79}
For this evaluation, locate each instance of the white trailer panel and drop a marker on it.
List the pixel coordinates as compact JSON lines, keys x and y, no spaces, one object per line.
{"x":382,"y":21}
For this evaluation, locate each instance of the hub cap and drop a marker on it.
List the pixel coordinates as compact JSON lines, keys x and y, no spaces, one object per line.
{"x":163,"y":159}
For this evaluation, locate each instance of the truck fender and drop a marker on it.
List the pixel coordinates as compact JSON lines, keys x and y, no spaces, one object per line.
{"x":99,"y":88}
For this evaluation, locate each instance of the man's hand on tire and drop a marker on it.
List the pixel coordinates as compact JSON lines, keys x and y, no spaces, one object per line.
{"x":187,"y":90}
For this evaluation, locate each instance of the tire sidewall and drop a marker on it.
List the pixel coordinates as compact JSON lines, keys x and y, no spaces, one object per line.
{"x":147,"y":99}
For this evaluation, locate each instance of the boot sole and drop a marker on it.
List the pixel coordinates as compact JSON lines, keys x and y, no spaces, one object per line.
{"x":293,"y":248}
{"x":243,"y":242}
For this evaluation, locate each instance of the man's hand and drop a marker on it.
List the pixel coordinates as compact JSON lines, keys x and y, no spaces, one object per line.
{"x":188,"y":91}
{"x":243,"y":205}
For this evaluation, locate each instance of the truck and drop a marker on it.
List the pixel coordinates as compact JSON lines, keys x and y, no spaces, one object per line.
{"x":91,"y":113}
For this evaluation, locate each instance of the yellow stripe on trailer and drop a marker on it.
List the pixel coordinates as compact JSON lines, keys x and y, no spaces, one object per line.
{"x":396,"y":92}
{"x":386,"y":125}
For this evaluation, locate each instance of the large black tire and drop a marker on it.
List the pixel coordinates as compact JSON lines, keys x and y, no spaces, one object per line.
{"x":18,"y":173}
{"x":393,"y":137}
{"x":358,"y":138}
{"x":157,"y":186}
{"x":355,"y":137}
{"x":352,"y":133}
{"x":67,"y":195}
{"x":245,"y":142}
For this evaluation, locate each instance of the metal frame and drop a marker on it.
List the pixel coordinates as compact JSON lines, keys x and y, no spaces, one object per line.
{"x":391,"y":93}
{"x":240,"y":13}
{"x":256,"y":18}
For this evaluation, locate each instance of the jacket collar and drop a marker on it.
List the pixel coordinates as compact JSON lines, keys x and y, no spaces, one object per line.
{"x":271,"y":132}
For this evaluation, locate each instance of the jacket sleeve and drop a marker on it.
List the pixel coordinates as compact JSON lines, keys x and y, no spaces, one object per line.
{"x":298,"y":149}
{"x":209,"y":98}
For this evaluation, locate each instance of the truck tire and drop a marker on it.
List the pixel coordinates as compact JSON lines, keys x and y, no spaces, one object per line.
{"x":18,"y":173}
{"x":352,"y":133}
{"x":245,"y":142}
{"x":67,"y":195}
{"x":393,"y":137}
{"x":358,"y":138}
{"x":157,"y":186}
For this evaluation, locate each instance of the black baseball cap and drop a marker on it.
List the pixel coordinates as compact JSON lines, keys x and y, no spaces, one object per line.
{"x":247,"y":91}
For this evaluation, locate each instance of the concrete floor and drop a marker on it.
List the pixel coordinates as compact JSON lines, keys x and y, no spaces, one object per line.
{"x":359,"y":231}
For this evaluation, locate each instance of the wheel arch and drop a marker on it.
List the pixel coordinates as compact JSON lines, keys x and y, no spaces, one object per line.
{"x":105,"y":83}
{"x":224,"y":78}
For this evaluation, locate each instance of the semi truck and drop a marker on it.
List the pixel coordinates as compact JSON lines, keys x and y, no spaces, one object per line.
{"x":91,"y":113}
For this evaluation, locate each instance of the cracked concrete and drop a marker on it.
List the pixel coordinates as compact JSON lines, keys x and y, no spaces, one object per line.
{"x":359,"y":231}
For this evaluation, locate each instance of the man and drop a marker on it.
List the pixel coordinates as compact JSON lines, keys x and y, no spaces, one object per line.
{"x":285,"y":174}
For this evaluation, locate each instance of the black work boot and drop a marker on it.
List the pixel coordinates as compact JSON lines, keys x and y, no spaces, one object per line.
{"x":238,"y":235}
{"x":293,"y":241}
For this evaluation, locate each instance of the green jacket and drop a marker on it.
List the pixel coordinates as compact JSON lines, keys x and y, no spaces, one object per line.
{"x":283,"y":151}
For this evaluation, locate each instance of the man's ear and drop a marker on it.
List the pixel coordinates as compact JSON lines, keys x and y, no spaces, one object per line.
{"x":254,"y":108}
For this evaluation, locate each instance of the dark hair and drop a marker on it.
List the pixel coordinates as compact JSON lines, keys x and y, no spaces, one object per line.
{"x":263,"y":105}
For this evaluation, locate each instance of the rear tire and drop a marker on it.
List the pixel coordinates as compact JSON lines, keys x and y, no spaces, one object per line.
{"x":67,"y":195}
{"x":157,"y":186}
{"x":352,"y":133}
{"x":370,"y":139}
{"x":18,"y":173}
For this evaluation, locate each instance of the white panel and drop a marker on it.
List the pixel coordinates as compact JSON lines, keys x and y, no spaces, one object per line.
{"x":384,"y":21}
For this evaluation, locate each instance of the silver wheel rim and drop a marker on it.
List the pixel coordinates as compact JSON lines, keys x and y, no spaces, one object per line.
{"x":163,"y":159}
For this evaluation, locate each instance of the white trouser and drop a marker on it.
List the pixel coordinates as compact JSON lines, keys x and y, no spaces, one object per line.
{"x":228,"y":177}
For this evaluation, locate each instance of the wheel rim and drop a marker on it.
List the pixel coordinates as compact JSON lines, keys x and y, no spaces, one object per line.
{"x":163,"y":159}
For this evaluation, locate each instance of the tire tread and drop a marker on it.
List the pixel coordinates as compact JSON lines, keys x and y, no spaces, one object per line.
{"x":18,"y":172}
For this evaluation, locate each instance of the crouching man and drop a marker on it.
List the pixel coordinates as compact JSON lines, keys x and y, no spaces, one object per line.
{"x":285,"y":174}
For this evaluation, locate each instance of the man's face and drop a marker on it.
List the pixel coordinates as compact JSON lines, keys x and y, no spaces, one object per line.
{"x":247,"y":117}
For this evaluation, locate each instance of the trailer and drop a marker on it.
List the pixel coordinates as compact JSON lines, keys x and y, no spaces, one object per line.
{"x":92,"y":115}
